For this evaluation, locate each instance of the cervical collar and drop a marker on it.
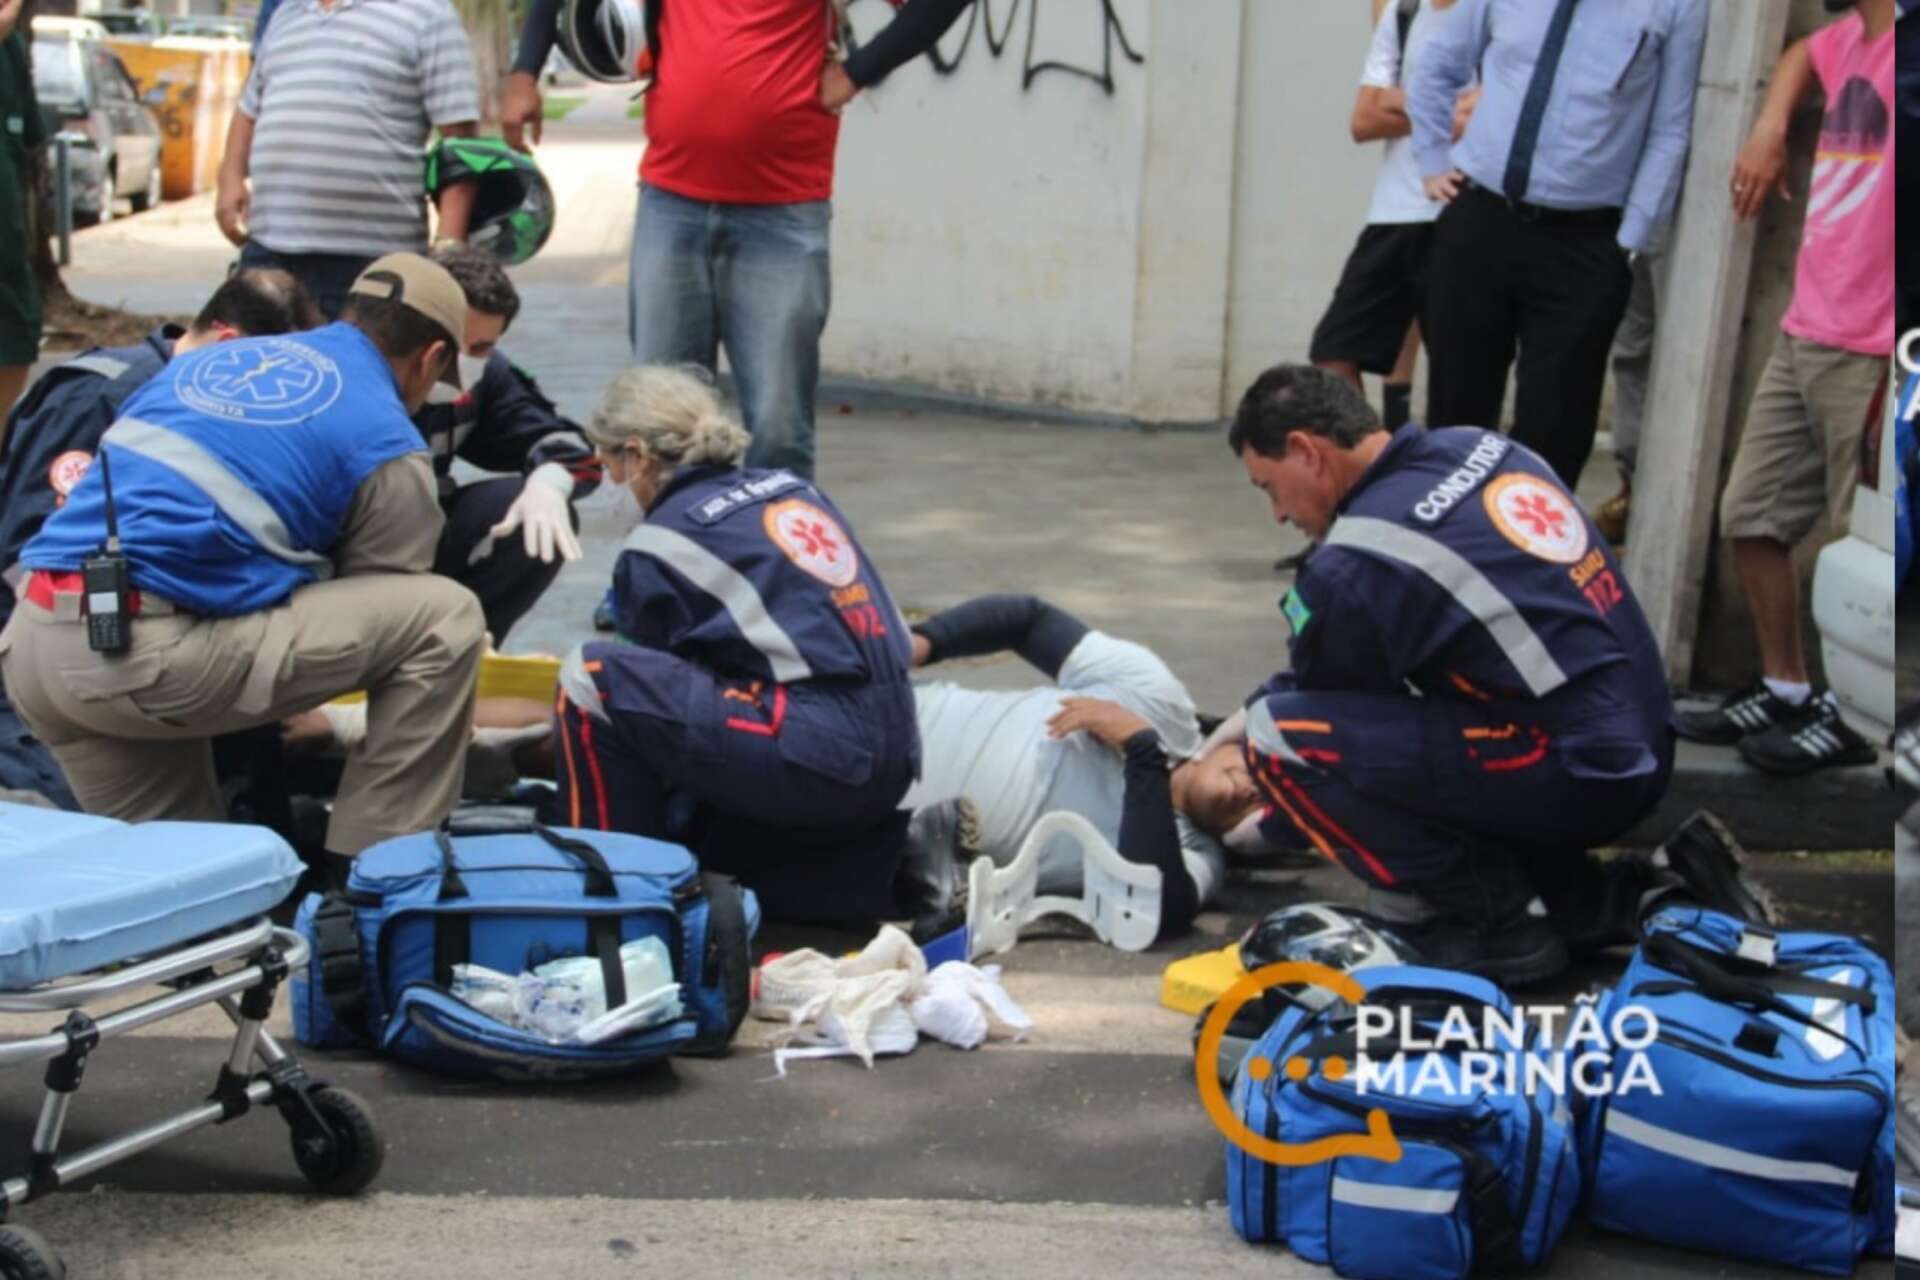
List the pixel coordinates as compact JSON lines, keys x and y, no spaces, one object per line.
{"x":1119,"y":900}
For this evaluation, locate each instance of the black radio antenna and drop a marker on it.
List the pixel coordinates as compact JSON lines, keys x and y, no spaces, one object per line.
{"x":106,"y":484}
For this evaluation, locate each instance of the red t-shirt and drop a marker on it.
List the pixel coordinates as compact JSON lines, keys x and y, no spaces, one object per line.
{"x":735,"y":112}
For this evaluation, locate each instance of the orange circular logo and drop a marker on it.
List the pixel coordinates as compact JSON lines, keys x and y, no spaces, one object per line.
{"x":67,"y":471}
{"x":813,"y":540}
{"x":1377,"y":1142}
{"x":1536,"y":516}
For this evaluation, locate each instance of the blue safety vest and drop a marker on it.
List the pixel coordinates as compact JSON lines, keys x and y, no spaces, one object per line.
{"x":1461,"y":566}
{"x":234,"y":470}
{"x":756,"y":574}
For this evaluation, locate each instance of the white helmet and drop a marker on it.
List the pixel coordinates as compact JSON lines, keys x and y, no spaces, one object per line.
{"x":604,"y":39}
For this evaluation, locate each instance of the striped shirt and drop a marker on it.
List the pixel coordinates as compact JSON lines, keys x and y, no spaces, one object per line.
{"x":343,"y":98}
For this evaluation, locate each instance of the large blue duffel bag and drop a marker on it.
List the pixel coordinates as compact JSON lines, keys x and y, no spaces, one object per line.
{"x":1772,"y":1134}
{"x":1487,"y":1176}
{"x":511,"y":895}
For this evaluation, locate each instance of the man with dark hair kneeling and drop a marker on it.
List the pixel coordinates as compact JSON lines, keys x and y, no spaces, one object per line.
{"x":1475,"y":699}
{"x":52,"y":435}
{"x":506,"y":536}
{"x":256,"y":540}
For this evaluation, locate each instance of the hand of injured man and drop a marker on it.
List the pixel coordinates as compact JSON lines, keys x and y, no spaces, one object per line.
{"x":1108,"y":722}
{"x":543,"y":514}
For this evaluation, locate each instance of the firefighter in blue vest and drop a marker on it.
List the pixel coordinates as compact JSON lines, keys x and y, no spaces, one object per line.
{"x":254,"y":539}
{"x":53,"y":432}
{"x":757,"y":707}
{"x":507,"y":536}
{"x":1475,"y":699}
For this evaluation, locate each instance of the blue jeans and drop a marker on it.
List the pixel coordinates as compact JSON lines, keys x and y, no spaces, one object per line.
{"x":752,"y":278}
{"x":326,"y":276}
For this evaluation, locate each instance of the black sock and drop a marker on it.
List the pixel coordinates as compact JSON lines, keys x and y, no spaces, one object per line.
{"x":1396,"y":404}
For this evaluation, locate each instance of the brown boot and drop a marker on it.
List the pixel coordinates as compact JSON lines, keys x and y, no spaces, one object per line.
{"x":1611,"y":518}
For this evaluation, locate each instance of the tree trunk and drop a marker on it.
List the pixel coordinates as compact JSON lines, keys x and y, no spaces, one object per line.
{"x":40,"y":232}
{"x":40,"y":228}
{"x":490,"y":26}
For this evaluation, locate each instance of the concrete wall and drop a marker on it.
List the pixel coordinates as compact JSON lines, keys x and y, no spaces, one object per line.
{"x":1302,"y":185}
{"x":987,"y":222}
{"x":1128,"y":238}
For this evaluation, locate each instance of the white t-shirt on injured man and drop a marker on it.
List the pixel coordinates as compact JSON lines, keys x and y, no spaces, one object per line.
{"x":992,"y":746}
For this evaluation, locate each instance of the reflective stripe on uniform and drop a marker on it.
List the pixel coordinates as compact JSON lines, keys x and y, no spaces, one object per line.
{"x":1375,"y":1195}
{"x":235,"y":498}
{"x":1266,"y":737}
{"x":1470,"y":588}
{"x":577,"y":683}
{"x":105,"y":366}
{"x":1712,"y":1155}
{"x":732,"y":589}
{"x":571,"y":439}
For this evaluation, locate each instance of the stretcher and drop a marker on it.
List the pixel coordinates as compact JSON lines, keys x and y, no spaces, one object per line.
{"x":119,"y":927}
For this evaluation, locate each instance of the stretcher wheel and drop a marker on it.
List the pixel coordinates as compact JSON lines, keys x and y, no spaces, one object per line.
{"x":354,"y":1156}
{"x":26,"y":1255}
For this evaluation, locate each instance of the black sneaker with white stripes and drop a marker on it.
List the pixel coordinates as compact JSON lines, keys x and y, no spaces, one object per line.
{"x":1753,"y":709}
{"x":1813,"y":737}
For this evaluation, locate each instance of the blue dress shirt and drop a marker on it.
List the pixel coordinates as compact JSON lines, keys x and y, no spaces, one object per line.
{"x":1617,"y":123}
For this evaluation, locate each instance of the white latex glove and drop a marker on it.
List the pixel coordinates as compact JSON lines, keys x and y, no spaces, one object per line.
{"x":541,"y":514}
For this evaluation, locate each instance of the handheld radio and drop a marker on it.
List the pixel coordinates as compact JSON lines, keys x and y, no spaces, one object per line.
{"x":107,"y":602}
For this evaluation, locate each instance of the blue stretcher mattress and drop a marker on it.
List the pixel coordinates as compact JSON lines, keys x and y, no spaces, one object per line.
{"x":78,"y":893}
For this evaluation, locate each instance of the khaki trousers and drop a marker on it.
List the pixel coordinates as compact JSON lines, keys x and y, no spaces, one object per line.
{"x":132,"y":732}
{"x":1799,"y":457}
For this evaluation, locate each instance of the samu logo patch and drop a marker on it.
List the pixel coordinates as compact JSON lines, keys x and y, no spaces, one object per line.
{"x":814,"y":541}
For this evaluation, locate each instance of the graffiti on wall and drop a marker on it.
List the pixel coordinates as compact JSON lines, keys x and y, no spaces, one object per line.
{"x":1046,"y":37}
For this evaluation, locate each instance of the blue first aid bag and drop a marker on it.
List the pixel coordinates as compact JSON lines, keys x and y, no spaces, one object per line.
{"x":511,"y":895}
{"x":1487,"y":1176}
{"x":1772,"y":1135}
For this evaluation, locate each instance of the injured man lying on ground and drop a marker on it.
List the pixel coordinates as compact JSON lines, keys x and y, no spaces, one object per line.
{"x":1114,"y":740}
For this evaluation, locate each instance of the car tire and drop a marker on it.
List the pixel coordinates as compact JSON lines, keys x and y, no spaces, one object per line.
{"x":151,"y":197}
{"x":109,"y":194}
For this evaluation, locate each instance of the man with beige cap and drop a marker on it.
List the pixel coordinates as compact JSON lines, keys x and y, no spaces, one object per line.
{"x":256,"y":540}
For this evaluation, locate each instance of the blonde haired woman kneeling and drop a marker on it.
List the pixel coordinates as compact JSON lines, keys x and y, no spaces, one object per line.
{"x":757,"y":707}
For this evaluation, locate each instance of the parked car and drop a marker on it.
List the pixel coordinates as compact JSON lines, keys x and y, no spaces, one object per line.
{"x":211,"y":28}
{"x":113,"y":138}
{"x":1854,"y":583}
{"x":75,"y":28}
{"x":131,"y":24}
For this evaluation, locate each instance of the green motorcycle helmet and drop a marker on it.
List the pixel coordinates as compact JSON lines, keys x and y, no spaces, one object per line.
{"x":513,"y":209}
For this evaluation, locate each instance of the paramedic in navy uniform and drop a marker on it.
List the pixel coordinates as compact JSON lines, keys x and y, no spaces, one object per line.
{"x":1475,"y":698}
{"x":757,"y":707}
{"x":277,"y":512}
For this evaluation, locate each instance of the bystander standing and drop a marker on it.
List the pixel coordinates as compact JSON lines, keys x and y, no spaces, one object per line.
{"x":324,"y":168}
{"x":1372,"y":324}
{"x":1799,"y":456}
{"x":1572,"y":158}
{"x":730,"y":239}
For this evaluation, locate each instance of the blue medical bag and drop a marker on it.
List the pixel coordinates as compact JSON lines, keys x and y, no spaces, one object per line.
{"x":1487,"y":1177}
{"x":1772,"y":1134}
{"x":510,"y":896}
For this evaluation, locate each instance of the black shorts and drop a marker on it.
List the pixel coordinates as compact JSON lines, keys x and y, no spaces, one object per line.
{"x":1377,"y":299}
